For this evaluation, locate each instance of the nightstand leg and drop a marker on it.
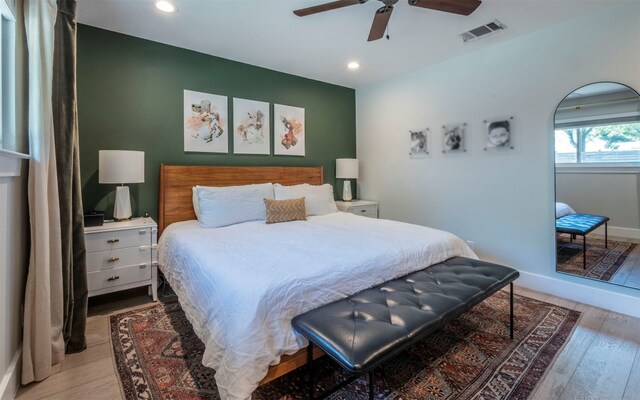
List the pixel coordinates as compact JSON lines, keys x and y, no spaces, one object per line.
{"x":154,"y":283}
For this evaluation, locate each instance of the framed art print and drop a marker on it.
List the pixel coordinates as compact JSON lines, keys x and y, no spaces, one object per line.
{"x":205,"y":123}
{"x":453,"y":138}
{"x":499,"y":134}
{"x":288,"y":132}
{"x":251,"y":127}
{"x":419,"y":143}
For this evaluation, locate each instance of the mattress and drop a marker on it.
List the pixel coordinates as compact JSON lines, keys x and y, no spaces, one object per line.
{"x":241,"y":285}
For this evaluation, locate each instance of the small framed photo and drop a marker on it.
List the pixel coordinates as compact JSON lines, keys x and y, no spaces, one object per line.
{"x":498,"y":134}
{"x":419,"y":143}
{"x":453,"y":138}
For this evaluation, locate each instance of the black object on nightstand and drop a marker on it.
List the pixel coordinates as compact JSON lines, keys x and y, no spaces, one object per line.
{"x":94,"y":218}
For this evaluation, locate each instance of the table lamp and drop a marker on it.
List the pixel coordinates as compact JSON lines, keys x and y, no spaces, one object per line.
{"x":120,"y":167}
{"x":347,"y":168}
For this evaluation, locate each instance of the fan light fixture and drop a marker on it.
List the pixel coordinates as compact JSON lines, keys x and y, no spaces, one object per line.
{"x":165,"y":6}
{"x":353,"y":65}
{"x":382,"y":16}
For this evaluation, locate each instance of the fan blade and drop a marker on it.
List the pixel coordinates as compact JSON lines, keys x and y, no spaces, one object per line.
{"x":462,"y":7}
{"x":380,"y":22}
{"x":327,"y":7}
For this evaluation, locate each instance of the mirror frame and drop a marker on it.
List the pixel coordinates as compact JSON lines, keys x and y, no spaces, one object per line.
{"x":555,"y":183}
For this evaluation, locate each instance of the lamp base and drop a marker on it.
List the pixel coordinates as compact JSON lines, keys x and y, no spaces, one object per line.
{"x":122,"y":207}
{"x":346,"y":191}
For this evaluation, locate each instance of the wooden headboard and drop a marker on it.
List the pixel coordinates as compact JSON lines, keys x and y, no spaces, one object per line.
{"x":176,"y":182}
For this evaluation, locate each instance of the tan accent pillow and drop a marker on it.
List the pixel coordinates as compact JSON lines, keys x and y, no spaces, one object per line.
{"x":285,"y":210}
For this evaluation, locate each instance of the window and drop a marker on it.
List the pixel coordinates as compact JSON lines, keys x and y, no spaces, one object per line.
{"x":616,"y":143}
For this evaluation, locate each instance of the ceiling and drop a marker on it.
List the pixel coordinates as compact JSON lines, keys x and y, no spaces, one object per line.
{"x":267,"y":34}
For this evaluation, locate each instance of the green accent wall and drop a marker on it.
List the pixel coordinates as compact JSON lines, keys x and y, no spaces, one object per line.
{"x":130,"y":97}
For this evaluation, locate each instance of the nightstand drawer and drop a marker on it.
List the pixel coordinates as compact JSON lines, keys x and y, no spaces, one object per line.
{"x":118,"y":276}
{"x":117,"y":239}
{"x":117,"y":258}
{"x":367,"y":211}
{"x":364,"y":208}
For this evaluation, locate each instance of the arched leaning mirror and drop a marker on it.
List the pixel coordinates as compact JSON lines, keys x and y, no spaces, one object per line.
{"x":597,"y":178}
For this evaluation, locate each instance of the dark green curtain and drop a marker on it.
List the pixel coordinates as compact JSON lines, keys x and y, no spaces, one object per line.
{"x":65,"y":124}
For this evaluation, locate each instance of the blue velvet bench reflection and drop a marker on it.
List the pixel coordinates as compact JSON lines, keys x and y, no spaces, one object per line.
{"x":582,"y":224}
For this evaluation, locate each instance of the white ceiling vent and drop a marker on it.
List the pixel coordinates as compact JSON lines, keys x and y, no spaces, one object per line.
{"x":482,"y":31}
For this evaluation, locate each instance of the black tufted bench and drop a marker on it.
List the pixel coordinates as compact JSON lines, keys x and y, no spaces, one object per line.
{"x":582,"y":224}
{"x":368,"y":328}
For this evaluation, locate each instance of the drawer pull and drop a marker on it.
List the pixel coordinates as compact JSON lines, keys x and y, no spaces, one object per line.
{"x":113,"y":278}
{"x":143,"y":266}
{"x":142,"y":232}
{"x":113,"y":259}
{"x":113,"y":240}
{"x":363,"y":211}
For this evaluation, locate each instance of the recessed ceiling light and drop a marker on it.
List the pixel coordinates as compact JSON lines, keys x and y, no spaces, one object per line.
{"x":353,"y":65}
{"x":166,"y":6}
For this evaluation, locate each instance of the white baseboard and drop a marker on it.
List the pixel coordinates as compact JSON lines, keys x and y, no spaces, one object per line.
{"x":11,"y":379}
{"x":618,"y":302}
{"x":629,"y":233}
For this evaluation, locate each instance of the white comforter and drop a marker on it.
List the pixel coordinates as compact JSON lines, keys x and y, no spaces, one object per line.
{"x":241,"y":285}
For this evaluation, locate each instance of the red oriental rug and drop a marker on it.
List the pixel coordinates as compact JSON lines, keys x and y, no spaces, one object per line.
{"x":602,"y":262}
{"x":158,"y":356}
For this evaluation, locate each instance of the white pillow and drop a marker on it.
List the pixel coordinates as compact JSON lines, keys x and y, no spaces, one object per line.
{"x":228,"y":205}
{"x":563,"y":209}
{"x":194,"y":200}
{"x":318,"y":199}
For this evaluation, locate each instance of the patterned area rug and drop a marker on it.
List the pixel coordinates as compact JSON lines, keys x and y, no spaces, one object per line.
{"x":158,"y":356}
{"x":602,"y":263}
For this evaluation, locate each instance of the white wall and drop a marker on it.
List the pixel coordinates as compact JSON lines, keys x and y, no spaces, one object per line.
{"x":502,"y":201}
{"x":14,"y":234}
{"x":596,"y":192}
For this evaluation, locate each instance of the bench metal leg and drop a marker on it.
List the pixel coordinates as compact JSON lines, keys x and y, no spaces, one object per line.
{"x":371,"y":385}
{"x":334,"y":389}
{"x":511,"y":310}
{"x":606,"y":234}
{"x":310,"y":368}
{"x":584,"y":252}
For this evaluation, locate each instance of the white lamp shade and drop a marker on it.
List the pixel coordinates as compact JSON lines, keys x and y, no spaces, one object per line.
{"x":347,"y":168}
{"x":120,"y":166}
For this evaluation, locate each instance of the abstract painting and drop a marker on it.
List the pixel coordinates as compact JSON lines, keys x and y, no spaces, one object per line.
{"x":251,"y":127}
{"x":205,"y":122}
{"x":289,"y":134}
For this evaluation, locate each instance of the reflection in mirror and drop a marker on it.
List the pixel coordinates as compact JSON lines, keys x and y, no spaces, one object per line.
{"x":597,"y":156}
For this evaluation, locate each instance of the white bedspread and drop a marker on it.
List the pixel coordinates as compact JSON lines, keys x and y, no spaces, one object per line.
{"x":241,"y":285}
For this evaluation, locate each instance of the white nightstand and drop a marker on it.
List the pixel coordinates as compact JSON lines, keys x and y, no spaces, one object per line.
{"x":122,"y":255}
{"x":359,"y":207}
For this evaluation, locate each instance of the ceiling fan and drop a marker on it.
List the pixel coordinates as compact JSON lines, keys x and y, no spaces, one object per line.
{"x":381,"y":19}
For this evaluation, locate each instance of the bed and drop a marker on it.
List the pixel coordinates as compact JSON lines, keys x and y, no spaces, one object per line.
{"x":563,"y":209}
{"x":241,"y":285}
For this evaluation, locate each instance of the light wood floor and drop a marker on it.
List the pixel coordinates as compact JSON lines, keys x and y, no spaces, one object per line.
{"x":601,"y":360}
{"x":629,"y":272}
